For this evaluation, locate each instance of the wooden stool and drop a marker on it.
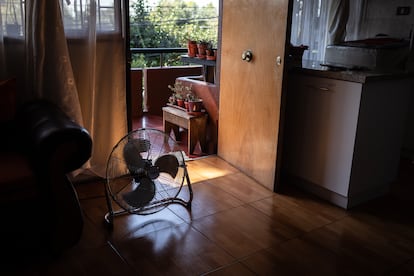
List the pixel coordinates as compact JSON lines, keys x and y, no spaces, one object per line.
{"x":174,"y":118}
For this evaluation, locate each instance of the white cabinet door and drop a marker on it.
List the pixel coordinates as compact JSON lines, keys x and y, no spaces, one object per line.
{"x":322,"y":117}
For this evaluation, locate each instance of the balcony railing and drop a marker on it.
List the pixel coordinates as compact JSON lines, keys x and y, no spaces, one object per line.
{"x":150,"y":92}
{"x":160,"y":54}
{"x":149,"y":85}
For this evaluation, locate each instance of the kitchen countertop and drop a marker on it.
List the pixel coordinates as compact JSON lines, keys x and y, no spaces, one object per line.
{"x":315,"y":68}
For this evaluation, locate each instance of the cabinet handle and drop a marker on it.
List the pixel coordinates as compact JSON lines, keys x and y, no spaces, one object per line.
{"x":321,"y":88}
{"x":325,"y":89}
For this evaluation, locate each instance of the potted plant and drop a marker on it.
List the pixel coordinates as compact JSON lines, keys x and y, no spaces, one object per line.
{"x":179,"y":93}
{"x":202,"y":46}
{"x":211,"y":53}
{"x":195,"y":103}
{"x":192,"y":48}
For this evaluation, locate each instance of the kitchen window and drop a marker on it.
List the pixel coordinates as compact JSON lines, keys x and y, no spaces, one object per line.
{"x":309,"y":19}
{"x":310,"y":23}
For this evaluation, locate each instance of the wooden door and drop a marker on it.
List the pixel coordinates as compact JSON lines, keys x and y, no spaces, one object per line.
{"x":250,"y":92}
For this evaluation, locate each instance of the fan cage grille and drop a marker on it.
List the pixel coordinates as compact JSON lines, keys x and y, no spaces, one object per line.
{"x":149,"y":144}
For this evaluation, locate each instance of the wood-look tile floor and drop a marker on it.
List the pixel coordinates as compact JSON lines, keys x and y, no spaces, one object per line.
{"x":237,"y":227}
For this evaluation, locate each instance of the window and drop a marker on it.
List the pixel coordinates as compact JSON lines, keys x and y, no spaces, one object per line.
{"x":12,"y":17}
{"x":309,"y":19}
{"x":76,"y":14}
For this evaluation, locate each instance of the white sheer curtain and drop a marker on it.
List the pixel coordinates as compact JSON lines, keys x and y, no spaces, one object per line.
{"x":48,"y":67}
{"x":309,"y":19}
{"x":316,"y":23}
{"x":356,"y":19}
{"x":72,"y":53}
{"x":338,"y":15}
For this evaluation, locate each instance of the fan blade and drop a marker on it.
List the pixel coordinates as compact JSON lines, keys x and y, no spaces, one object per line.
{"x":132,"y":156}
{"x":140,"y":144}
{"x":168,"y":163}
{"x":142,"y":195}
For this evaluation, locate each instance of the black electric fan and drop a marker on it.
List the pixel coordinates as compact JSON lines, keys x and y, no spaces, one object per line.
{"x":145,"y":172}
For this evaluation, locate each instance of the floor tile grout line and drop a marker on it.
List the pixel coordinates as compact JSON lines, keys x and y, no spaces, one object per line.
{"x":225,"y":266}
{"x":229,"y":193}
{"x":264,"y":213}
{"x":118,"y":253}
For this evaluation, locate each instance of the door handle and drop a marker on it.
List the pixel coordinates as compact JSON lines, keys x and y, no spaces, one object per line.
{"x":247,"y":55}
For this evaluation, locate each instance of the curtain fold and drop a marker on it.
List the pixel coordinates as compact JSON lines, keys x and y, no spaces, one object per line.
{"x":356,"y":19}
{"x":98,"y":62}
{"x":72,"y":53}
{"x":49,"y":71}
{"x":338,"y":14}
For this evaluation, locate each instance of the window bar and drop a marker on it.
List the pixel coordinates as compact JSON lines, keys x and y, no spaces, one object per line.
{"x":98,"y":11}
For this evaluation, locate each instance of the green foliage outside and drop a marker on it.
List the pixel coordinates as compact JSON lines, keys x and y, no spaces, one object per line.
{"x":169,"y":24}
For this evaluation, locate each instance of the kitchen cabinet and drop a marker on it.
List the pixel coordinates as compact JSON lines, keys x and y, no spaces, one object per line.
{"x":343,"y":139}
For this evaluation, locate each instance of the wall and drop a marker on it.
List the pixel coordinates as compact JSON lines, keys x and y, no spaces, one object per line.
{"x":408,"y":142}
{"x":381,"y":18}
{"x":209,"y":92}
{"x":136,"y":93}
{"x":156,"y":81}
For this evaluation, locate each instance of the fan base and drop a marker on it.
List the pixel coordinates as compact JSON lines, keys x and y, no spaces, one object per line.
{"x":109,"y":217}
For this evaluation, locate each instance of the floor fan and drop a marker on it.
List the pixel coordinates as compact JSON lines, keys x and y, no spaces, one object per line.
{"x":145,"y":173}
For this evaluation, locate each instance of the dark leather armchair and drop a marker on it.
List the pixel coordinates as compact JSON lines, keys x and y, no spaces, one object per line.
{"x":39,"y":205}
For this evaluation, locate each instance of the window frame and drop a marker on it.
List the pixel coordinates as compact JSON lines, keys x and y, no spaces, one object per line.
{"x":101,"y":33}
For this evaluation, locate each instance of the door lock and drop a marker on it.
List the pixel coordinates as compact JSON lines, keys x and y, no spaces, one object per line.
{"x":247,"y":55}
{"x":278,"y":60}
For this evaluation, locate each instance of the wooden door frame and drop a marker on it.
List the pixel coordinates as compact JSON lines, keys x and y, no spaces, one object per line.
{"x":128,"y":59}
{"x":278,"y":185}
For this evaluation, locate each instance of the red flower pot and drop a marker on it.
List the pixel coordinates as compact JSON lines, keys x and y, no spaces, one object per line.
{"x":192,"y":48}
{"x":195,"y":106}
{"x":180,"y":102}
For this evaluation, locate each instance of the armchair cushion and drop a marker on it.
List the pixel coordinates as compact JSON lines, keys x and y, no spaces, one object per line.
{"x":51,"y":138}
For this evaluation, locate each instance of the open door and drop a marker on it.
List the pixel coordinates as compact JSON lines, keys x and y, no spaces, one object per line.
{"x":253,"y":37}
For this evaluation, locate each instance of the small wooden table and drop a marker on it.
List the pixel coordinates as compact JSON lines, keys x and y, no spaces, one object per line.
{"x":174,"y":118}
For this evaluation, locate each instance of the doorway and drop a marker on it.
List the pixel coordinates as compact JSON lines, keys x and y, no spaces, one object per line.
{"x":154,"y":63}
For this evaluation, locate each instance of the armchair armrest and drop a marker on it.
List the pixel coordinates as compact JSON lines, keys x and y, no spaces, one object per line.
{"x":47,"y":135}
{"x":54,"y":145}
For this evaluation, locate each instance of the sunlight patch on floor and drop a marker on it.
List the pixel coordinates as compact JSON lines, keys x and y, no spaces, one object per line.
{"x":208,"y":168}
